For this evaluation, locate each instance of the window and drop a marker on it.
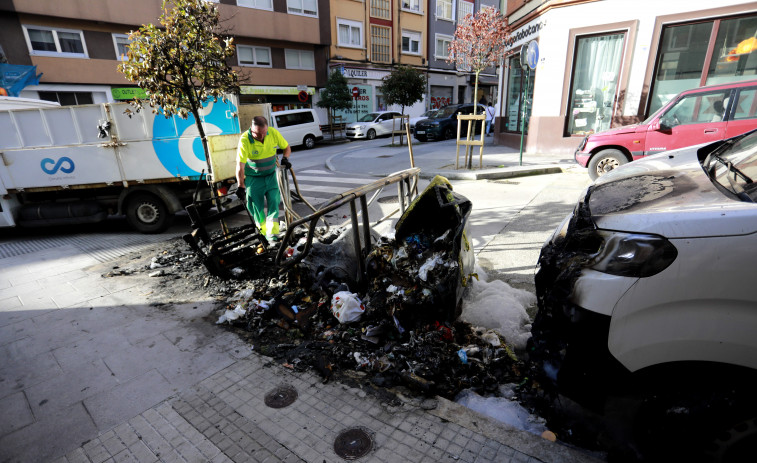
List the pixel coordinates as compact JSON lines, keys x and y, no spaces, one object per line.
{"x":121,"y":41}
{"x":746,"y":105}
{"x":380,"y":44}
{"x":380,"y":9}
{"x":464,"y":9}
{"x":444,"y":10}
{"x":697,"y":109}
{"x":411,"y":42}
{"x":254,"y":56}
{"x":516,"y":83}
{"x":350,"y":33}
{"x":304,"y":7}
{"x":683,"y":61}
{"x":67,"y":98}
{"x":258,"y":4}
{"x":412,"y":5}
{"x":299,"y":59}
{"x":287,"y":120}
{"x":46,"y":41}
{"x":596,"y":67}
{"x":442,"y":46}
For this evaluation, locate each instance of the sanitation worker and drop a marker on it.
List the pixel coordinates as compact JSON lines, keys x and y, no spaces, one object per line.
{"x":256,"y":174}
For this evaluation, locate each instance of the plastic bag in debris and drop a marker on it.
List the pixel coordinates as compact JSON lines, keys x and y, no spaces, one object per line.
{"x":346,"y":307}
{"x":231,"y":315}
{"x":503,"y":410}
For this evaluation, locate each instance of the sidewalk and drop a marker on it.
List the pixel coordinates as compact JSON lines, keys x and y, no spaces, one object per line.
{"x":100,"y":369}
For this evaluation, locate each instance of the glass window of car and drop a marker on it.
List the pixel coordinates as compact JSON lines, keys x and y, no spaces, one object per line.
{"x":370,"y":117}
{"x":745,"y":104}
{"x":697,"y":108}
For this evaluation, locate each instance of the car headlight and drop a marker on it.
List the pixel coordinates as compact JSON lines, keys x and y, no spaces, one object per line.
{"x":633,"y":254}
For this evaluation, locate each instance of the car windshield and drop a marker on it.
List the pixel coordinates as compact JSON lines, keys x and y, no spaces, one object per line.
{"x":734,"y":166}
{"x":447,"y":111}
{"x":370,"y":117}
{"x":429,"y":113}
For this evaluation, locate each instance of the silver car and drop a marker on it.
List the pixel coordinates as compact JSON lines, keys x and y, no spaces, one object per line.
{"x":373,"y":124}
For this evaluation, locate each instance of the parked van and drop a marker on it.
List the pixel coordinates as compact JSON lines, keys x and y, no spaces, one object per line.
{"x":701,"y":115}
{"x":299,"y":126}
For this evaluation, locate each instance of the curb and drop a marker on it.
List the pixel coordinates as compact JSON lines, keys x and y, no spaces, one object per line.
{"x":507,"y":172}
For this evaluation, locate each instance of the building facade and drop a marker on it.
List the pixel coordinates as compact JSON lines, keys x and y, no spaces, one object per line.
{"x":282,"y":46}
{"x":607,"y":63}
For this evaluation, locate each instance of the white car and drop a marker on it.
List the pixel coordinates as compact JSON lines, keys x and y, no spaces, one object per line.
{"x":645,"y":292}
{"x":425,"y":115}
{"x":372,"y":125}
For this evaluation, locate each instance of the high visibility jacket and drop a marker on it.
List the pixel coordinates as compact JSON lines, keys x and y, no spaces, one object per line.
{"x":260,"y":158}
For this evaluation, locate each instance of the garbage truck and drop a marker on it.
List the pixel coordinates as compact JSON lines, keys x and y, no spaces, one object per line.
{"x":79,"y":164}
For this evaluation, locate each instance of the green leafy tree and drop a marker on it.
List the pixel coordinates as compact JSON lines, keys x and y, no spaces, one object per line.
{"x":183,"y":62}
{"x":336,"y":95}
{"x":405,"y":86}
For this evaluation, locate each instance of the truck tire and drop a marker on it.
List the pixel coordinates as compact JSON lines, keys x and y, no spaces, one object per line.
{"x":309,"y":142}
{"x":147,"y":213}
{"x":605,"y":161}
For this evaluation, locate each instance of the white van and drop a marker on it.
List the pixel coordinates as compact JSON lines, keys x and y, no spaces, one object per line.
{"x":299,"y":126}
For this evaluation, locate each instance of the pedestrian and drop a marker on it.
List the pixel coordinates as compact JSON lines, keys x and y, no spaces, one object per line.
{"x":489,"y":119}
{"x":257,"y":184}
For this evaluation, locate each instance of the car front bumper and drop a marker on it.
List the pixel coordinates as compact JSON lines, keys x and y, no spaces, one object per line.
{"x":354,"y":133}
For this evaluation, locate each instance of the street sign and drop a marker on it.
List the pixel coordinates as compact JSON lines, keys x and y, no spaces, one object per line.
{"x":355,"y":92}
{"x":532,"y":54}
{"x":302,"y":96}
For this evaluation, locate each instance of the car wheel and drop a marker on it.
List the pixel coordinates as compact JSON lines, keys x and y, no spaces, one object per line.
{"x":147,"y":213}
{"x":371,"y":134}
{"x":449,"y":133}
{"x":421,"y":138}
{"x":309,"y":142}
{"x":605,"y":161}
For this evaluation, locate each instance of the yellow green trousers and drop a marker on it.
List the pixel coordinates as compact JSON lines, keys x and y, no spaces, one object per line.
{"x":261,"y":192}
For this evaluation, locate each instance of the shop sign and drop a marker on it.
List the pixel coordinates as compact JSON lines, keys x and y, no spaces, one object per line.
{"x":526,"y":33}
{"x":269,"y":90}
{"x":358,"y":73}
{"x":127,"y":93}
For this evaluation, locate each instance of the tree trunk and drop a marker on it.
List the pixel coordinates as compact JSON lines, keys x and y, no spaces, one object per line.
{"x":469,"y":148}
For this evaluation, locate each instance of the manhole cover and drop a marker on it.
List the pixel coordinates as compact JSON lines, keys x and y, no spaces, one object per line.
{"x":281,"y":397}
{"x":352,"y":444}
{"x":389,"y":200}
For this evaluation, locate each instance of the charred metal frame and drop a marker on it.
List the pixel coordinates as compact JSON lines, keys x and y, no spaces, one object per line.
{"x":407,"y":181}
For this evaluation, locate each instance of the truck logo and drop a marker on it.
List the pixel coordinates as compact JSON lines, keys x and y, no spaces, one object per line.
{"x":58,"y":165}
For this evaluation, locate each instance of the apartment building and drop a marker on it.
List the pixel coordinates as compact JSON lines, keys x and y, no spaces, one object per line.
{"x":447,"y":84}
{"x":369,"y":38}
{"x":282,"y":46}
{"x":607,"y":63}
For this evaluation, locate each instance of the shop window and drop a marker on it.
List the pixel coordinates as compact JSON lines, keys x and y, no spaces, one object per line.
{"x":303,"y":7}
{"x":411,"y":42}
{"x":257,"y":4}
{"x":380,"y":44}
{"x":254,"y":56}
{"x":735,"y":54}
{"x":380,"y":9}
{"x":444,"y":10}
{"x":516,"y":84}
{"x":299,"y":59}
{"x":47,"y":41}
{"x":350,"y":33}
{"x":596,"y":66}
{"x":67,"y":98}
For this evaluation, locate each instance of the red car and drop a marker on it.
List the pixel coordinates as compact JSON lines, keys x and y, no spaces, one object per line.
{"x":701,"y":115}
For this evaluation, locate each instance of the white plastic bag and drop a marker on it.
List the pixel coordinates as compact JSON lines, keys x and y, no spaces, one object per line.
{"x":346,"y":307}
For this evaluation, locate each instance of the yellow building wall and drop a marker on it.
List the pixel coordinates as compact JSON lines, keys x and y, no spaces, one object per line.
{"x":354,"y":11}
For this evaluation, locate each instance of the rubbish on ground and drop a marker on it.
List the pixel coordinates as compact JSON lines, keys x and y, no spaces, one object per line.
{"x":504,"y":410}
{"x":346,"y":307}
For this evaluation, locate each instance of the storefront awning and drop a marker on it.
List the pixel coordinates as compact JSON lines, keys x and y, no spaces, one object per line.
{"x":484,"y":80}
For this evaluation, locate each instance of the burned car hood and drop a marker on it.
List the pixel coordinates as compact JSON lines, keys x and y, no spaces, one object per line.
{"x":667,"y":194}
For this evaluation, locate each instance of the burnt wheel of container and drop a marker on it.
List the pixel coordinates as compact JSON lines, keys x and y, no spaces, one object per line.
{"x":309,"y":142}
{"x":371,"y":134}
{"x":147,"y":213}
{"x":605,"y":161}
{"x":449,"y":133}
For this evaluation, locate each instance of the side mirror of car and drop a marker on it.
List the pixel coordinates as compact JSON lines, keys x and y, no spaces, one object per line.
{"x":661,"y":125}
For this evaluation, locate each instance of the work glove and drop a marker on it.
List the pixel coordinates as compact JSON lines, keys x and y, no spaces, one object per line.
{"x":285,"y":163}
{"x":241,"y":194}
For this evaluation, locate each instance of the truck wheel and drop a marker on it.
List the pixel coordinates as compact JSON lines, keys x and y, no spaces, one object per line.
{"x":605,"y":161}
{"x":147,"y":213}
{"x":309,"y":142}
{"x":371,"y":134}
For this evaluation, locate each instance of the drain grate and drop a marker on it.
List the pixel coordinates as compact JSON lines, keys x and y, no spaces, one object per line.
{"x":281,"y":397}
{"x":353,"y":443}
